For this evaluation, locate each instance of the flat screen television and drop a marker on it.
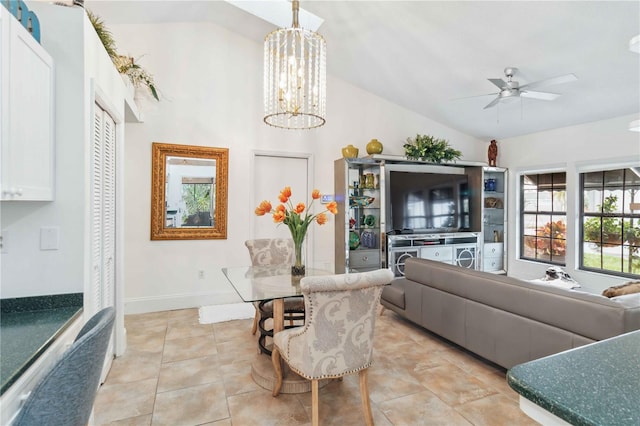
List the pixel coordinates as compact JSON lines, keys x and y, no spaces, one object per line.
{"x":421,"y":202}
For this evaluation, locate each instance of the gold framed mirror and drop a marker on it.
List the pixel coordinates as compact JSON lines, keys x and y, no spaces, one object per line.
{"x":188,"y":192}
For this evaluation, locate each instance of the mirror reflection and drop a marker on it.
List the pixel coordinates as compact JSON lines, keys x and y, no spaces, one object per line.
{"x":189,"y":192}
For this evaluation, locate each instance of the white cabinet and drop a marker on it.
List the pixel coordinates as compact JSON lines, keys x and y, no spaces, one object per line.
{"x":457,"y":248}
{"x":26,"y":114}
{"x":493,"y":254}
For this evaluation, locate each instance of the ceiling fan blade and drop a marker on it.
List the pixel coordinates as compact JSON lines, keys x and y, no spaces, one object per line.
{"x":498,"y":82}
{"x":567,"y":78}
{"x":543,"y":96}
{"x":475,"y":96}
{"x":492,"y":103}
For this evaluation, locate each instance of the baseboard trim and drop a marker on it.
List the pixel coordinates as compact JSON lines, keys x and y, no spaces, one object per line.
{"x":141,"y":305}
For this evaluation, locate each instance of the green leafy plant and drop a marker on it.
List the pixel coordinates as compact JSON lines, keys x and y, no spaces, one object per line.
{"x":611,"y":233}
{"x":104,"y":35}
{"x":429,"y":148}
{"x":124,"y":64}
{"x":611,"y":230}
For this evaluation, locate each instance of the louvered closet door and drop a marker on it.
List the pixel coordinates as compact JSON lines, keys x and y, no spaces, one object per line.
{"x":97,"y":149}
{"x":103,"y":210}
{"x":108,"y":212}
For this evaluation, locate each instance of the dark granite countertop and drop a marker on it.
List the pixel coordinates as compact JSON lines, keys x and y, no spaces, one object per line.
{"x":597,"y":384}
{"x":28,"y":326}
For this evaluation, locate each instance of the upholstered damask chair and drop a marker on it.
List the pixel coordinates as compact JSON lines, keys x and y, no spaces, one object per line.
{"x":337,"y":337}
{"x":273,"y":251}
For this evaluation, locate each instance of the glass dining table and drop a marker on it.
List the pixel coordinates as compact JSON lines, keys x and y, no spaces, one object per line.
{"x":274,"y":282}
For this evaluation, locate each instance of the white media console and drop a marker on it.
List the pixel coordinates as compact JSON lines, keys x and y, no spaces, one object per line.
{"x":458,"y":248}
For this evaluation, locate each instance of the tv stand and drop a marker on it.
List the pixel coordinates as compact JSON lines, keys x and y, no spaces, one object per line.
{"x":455,"y":248}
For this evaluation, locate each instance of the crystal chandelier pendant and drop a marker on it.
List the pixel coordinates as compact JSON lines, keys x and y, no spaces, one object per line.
{"x":294,"y":77}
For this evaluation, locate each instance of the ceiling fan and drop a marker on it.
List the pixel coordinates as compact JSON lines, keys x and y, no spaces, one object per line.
{"x":511,"y":89}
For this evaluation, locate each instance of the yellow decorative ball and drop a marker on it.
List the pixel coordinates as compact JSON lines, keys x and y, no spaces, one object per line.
{"x":350,"y":151}
{"x":374,"y":147}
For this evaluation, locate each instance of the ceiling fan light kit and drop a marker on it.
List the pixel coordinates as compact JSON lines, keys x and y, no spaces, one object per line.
{"x":294,"y":77}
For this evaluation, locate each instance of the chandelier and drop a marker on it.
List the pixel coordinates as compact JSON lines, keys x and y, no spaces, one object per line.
{"x":295,"y":79}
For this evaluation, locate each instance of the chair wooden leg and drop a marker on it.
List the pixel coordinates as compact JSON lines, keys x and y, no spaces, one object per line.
{"x":277,"y":366}
{"x":315,"y":417}
{"x":254,"y":327}
{"x":364,"y":396}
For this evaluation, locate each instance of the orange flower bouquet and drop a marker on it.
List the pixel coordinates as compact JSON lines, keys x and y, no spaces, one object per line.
{"x":297,"y":218}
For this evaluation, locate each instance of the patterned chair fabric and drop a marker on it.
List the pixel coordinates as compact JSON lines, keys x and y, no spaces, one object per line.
{"x":337,"y":338}
{"x":269,"y":252}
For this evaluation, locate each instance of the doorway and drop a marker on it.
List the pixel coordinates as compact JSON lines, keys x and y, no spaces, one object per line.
{"x":272,"y":171}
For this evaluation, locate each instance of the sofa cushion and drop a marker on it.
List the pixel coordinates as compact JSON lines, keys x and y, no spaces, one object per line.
{"x":628,"y":300}
{"x":393,"y":295}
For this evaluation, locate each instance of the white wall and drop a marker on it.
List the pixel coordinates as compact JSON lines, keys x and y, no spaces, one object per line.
{"x":210,"y":80}
{"x":603,"y":144}
{"x":81,"y":65}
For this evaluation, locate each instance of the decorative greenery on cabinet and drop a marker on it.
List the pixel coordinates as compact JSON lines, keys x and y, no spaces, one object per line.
{"x":125,"y":65}
{"x":429,"y":148}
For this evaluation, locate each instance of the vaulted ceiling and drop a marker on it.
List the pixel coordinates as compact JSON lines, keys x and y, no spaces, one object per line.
{"x":426,"y":55}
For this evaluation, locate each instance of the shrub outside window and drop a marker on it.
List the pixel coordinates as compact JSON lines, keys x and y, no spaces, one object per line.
{"x":543,"y":207}
{"x":610,"y":221}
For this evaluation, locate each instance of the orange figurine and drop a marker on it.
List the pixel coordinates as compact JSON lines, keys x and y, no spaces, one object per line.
{"x":493,"y":153}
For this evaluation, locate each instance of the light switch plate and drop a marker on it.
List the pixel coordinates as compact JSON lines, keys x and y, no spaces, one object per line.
{"x":49,"y":236}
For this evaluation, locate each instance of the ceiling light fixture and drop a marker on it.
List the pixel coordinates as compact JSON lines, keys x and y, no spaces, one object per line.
{"x":634,"y":44}
{"x":634,"y":126}
{"x":295,"y":77}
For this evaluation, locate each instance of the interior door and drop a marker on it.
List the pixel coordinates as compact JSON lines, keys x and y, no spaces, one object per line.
{"x":103,"y":223}
{"x":272,"y":172}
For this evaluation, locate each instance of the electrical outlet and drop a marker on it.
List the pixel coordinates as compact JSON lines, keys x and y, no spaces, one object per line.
{"x":201,"y":274}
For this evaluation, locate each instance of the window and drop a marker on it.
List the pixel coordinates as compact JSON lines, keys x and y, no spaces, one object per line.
{"x":543,"y":206}
{"x":197,"y":197}
{"x":610,"y":221}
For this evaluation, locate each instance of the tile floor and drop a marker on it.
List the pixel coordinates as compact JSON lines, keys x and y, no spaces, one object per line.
{"x":178,"y":372}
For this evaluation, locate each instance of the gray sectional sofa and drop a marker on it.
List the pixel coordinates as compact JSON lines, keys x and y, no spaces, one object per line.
{"x":505,"y":320}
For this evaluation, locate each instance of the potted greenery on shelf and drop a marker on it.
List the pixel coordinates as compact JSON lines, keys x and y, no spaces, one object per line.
{"x":429,"y":148}
{"x":137,"y":75}
{"x":124,"y":64}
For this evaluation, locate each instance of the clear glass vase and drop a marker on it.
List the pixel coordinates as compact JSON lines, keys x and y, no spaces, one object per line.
{"x":297,"y":269}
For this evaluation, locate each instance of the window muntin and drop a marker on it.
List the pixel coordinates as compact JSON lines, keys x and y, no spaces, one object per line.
{"x":610,"y":221}
{"x":543,"y":217}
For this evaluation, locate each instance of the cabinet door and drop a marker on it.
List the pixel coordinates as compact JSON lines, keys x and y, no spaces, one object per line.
{"x":27,"y":116}
{"x":493,"y":249}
